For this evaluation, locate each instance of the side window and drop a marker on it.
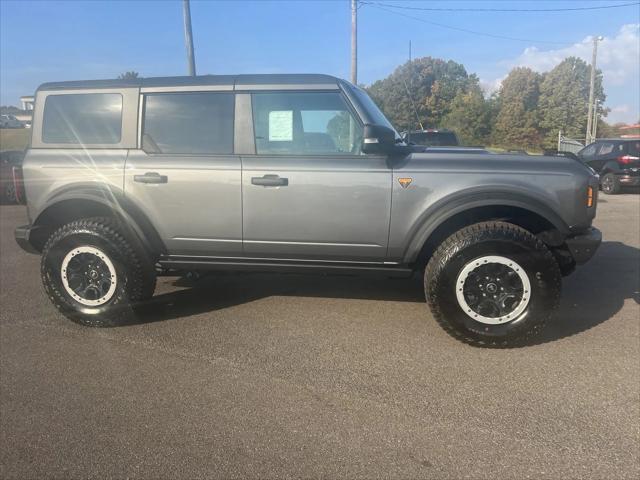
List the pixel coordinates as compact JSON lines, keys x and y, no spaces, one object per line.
{"x":633,"y":149}
{"x":588,"y":152}
{"x":83,"y":119}
{"x":606,"y":148}
{"x":311,"y":123}
{"x":188,"y":123}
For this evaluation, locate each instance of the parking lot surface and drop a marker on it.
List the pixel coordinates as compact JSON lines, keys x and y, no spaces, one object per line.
{"x":264,"y":376}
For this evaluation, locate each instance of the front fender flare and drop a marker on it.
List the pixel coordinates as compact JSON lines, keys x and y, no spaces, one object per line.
{"x":447,"y":207}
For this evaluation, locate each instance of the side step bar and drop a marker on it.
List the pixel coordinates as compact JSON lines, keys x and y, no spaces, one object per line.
{"x":275,"y":266}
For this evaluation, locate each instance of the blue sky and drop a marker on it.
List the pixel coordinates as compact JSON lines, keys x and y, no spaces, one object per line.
{"x":64,"y":40}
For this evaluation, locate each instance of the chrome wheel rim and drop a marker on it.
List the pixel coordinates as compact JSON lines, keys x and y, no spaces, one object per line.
{"x":493,"y":290}
{"x":607,"y":184}
{"x":88,"y":275}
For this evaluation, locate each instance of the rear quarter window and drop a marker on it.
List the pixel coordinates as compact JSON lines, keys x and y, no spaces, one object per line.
{"x":633,"y":148}
{"x":82,"y":119}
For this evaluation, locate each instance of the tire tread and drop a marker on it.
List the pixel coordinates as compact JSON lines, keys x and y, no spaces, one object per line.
{"x":466,"y":237}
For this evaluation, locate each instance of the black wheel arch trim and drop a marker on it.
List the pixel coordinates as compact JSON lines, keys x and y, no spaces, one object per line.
{"x":114,"y":199}
{"x":452,"y":205}
{"x":610,"y":167}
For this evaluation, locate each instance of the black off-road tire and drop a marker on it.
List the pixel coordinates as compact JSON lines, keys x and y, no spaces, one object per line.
{"x":136,"y":277}
{"x":610,"y":184}
{"x":486,"y":239}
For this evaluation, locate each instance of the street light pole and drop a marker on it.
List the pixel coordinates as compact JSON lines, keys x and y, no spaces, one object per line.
{"x":354,"y":42}
{"x":188,"y":38}
{"x":589,"y":138}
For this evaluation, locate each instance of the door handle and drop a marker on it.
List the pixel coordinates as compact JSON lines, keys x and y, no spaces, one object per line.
{"x":150,"y":177}
{"x":270,"y":181}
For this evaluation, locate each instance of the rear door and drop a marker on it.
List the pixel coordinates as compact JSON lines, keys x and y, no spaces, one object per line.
{"x":308,"y":192}
{"x":186,"y":177}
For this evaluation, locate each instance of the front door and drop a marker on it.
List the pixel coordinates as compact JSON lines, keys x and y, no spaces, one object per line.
{"x":186,"y":178}
{"x":308,"y":192}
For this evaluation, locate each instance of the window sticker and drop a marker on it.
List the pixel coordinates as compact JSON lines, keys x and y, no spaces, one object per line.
{"x":281,"y":126}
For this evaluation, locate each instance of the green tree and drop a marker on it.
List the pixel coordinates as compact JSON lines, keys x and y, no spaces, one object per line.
{"x":128,"y":75}
{"x":424,"y":87}
{"x":564,"y":97}
{"x":516,"y":121}
{"x":338,"y":128}
{"x":470,"y":116}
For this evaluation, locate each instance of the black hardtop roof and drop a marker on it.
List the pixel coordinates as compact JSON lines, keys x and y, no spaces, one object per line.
{"x":201,"y":80}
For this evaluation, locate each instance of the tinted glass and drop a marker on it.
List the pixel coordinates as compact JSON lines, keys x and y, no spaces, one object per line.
{"x":305,"y":124}
{"x":91,"y":118}
{"x":633,"y":149}
{"x":589,"y":151}
{"x":188,"y":123}
{"x":606,"y":148}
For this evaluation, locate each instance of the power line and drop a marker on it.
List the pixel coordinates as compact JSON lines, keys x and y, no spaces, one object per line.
{"x":459,"y":29}
{"x":521,"y":10}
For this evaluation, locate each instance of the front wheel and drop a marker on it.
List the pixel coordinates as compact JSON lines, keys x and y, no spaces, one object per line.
{"x":492,"y":284}
{"x":93,"y":273}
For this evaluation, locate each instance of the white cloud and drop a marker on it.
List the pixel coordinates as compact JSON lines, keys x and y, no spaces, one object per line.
{"x":490,"y":86}
{"x":622,"y":114}
{"x":617,"y":58}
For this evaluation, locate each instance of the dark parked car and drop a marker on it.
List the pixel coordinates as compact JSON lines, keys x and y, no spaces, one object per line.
{"x":617,"y":161}
{"x":432,"y":138}
{"x":11,"y":188}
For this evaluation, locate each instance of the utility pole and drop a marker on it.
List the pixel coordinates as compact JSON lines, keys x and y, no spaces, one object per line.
{"x":594,"y":127}
{"x":589,"y":138}
{"x":354,"y":42}
{"x":188,"y":38}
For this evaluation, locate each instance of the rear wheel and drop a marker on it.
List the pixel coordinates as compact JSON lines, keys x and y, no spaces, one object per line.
{"x":94,"y":274}
{"x":492,"y":284}
{"x":10,"y":193}
{"x":610,"y":184}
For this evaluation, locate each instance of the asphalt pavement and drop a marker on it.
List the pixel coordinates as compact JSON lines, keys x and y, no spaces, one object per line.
{"x":276,"y":376}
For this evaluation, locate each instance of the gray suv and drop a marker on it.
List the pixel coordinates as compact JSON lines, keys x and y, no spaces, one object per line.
{"x":299,"y":173}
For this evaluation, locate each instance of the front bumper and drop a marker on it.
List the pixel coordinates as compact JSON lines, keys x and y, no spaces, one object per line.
{"x":23,"y":235}
{"x":584,"y":245}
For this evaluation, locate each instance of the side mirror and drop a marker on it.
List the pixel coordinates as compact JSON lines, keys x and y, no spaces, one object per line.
{"x":378,"y":139}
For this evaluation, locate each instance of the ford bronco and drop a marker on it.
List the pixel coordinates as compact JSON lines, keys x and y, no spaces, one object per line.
{"x":297,"y":173}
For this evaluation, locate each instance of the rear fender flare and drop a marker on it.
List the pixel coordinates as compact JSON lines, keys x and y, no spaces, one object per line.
{"x":113,"y":199}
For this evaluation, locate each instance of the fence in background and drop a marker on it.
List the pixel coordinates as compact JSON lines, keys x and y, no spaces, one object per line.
{"x":568,"y":144}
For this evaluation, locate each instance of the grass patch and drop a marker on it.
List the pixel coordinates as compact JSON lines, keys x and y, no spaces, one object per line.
{"x":14,"y":138}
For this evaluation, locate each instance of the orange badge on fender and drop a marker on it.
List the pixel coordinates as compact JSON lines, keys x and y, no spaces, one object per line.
{"x":405,"y":182}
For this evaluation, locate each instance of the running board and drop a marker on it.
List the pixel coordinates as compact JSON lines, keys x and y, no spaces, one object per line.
{"x":276,"y":266}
